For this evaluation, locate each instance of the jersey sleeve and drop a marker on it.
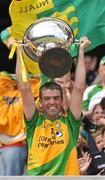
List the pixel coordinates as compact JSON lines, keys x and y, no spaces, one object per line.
{"x":31,"y":124}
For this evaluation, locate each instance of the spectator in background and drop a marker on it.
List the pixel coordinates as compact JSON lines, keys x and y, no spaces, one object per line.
{"x":95,"y":126}
{"x":91,"y":71}
{"x":91,"y":159}
{"x":98,"y":116}
{"x":91,"y":63}
{"x":13,"y":148}
{"x":97,"y":166}
{"x":98,"y":138}
{"x":94,"y":93}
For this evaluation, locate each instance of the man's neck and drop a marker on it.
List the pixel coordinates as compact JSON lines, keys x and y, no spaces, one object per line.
{"x":51,"y":116}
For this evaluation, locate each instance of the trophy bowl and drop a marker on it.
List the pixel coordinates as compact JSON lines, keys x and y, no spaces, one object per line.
{"x":50,"y":37}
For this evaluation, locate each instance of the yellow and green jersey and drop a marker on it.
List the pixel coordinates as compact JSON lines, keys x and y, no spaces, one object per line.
{"x":23,"y":13}
{"x":52,"y":145}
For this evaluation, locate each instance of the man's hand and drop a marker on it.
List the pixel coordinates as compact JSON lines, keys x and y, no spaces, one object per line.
{"x":11,"y":41}
{"x":84,"y":42}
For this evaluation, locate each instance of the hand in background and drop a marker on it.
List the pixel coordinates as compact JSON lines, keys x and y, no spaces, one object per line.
{"x":84,"y":163}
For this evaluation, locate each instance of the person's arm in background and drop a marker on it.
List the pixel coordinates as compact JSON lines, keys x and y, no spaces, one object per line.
{"x":67,"y":85}
{"x":80,"y":80}
{"x":25,"y":88}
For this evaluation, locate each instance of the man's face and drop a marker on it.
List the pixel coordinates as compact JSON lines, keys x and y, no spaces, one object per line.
{"x":51,"y":103}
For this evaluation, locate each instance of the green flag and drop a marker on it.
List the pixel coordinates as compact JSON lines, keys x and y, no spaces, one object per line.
{"x":91,"y":16}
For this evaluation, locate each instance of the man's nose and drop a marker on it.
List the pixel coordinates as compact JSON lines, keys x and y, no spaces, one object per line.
{"x":52,"y":100}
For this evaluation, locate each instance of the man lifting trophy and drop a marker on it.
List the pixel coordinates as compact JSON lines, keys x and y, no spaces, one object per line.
{"x":51,"y":134}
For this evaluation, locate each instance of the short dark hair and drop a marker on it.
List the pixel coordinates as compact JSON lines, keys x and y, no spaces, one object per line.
{"x":102,"y":103}
{"x":50,"y":85}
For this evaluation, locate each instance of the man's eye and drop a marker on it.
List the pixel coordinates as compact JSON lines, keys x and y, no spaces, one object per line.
{"x":57,"y":98}
{"x":46,"y":98}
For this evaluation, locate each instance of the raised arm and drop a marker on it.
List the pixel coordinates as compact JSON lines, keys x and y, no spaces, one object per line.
{"x":67,"y":85}
{"x":80,"y":81}
{"x":25,"y":88}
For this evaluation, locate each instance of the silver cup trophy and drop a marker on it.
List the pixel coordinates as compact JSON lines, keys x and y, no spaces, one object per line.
{"x":50,"y":38}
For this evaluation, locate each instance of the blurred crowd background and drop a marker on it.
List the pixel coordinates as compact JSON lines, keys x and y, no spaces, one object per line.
{"x":91,"y":132}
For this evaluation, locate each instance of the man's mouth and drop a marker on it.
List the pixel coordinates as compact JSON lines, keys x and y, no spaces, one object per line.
{"x":52,"y":108}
